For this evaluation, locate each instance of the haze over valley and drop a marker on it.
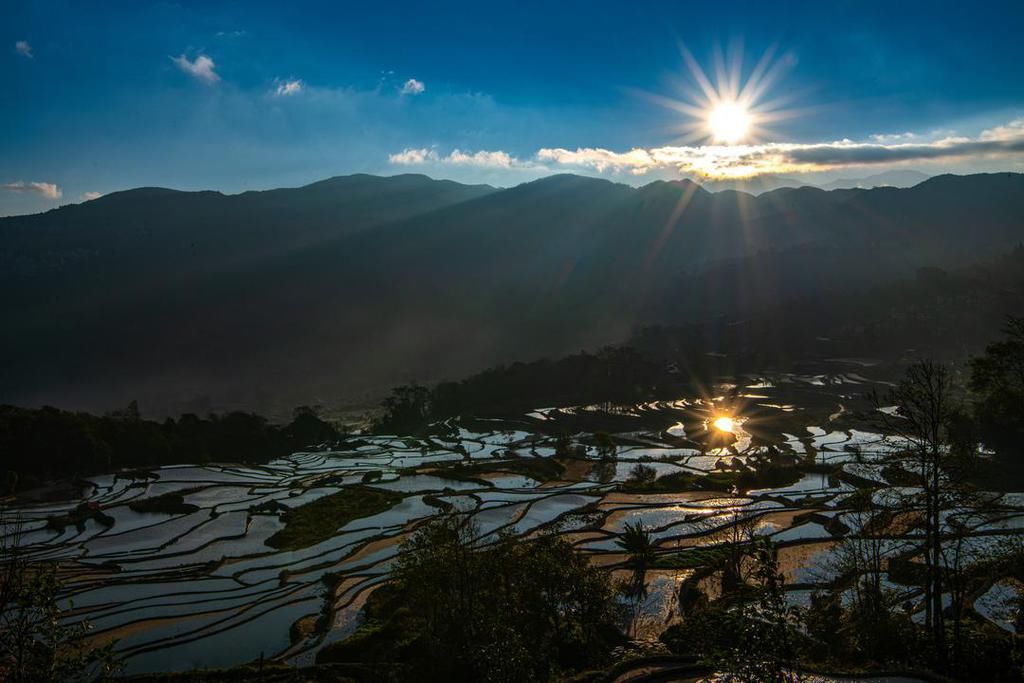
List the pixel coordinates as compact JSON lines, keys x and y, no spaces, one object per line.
{"x":333,"y":292}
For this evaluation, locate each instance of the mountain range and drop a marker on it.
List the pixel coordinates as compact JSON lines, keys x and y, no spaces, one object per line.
{"x":768,"y":182}
{"x":332,"y":292}
{"x":904,"y":178}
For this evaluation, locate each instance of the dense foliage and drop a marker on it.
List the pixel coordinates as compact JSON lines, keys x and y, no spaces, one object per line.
{"x":513,"y":610}
{"x":614,"y":374}
{"x":997,"y":377}
{"x":41,"y":444}
{"x":36,"y":645}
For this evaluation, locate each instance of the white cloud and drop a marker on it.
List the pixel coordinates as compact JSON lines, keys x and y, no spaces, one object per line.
{"x":23,"y":48}
{"x":202,"y":68}
{"x":1010,"y":131}
{"x":413,"y":157}
{"x":480,"y":159}
{"x":89,"y":196}
{"x":286,"y":88}
{"x":412,"y":87}
{"x":636,"y":161}
{"x":495,"y":159}
{"x":48,"y":190}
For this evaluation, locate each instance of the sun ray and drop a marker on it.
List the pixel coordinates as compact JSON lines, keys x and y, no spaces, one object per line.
{"x":735,"y":66}
{"x":764,"y":76}
{"x":710,"y":93}
{"x":724,"y":89}
{"x":758,"y":75}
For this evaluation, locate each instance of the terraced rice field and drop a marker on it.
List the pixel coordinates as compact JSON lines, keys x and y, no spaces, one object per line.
{"x":201,"y":588}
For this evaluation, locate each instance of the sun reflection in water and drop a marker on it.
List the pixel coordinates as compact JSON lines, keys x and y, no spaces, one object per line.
{"x":724,"y":424}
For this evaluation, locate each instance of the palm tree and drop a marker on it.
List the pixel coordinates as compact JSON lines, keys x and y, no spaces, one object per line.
{"x":636,"y":542}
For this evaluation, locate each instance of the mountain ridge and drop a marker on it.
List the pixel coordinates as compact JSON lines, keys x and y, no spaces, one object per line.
{"x":164,"y":299}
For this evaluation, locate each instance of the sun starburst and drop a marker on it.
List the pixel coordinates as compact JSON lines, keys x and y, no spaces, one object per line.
{"x":728,"y":108}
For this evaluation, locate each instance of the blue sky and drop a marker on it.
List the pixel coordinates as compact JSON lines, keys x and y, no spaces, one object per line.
{"x":231,"y":96}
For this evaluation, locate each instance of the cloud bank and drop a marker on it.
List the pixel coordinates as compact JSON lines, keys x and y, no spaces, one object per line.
{"x":201,"y":68}
{"x":739,"y":161}
{"x":48,"y":190}
{"x":742,"y":161}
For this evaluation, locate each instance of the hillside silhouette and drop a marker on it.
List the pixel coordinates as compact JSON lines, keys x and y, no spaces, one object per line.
{"x":335,"y":291}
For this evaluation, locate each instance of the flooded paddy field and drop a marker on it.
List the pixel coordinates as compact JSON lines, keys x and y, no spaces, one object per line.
{"x":195,"y":566}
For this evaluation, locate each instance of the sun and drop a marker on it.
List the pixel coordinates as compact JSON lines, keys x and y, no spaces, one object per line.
{"x":728,"y":107}
{"x":724,"y":424}
{"x":728,"y":122}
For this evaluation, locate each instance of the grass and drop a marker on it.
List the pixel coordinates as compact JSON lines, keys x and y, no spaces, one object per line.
{"x":434,"y":501}
{"x":78,"y":517}
{"x":168,"y":503}
{"x":320,"y":519}
{"x":668,"y":483}
{"x":692,"y":558}
{"x":541,"y":469}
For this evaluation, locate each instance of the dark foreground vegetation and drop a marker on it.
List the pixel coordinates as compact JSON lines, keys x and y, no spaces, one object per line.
{"x":997,"y":379}
{"x":459,"y":609}
{"x":39,"y":445}
{"x":36,"y":645}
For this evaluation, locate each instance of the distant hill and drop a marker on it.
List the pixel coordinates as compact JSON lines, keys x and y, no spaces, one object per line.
{"x":335,"y":291}
{"x":905,"y":178}
{"x":756,"y":184}
{"x":154,"y":233}
{"x":767,"y":182}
